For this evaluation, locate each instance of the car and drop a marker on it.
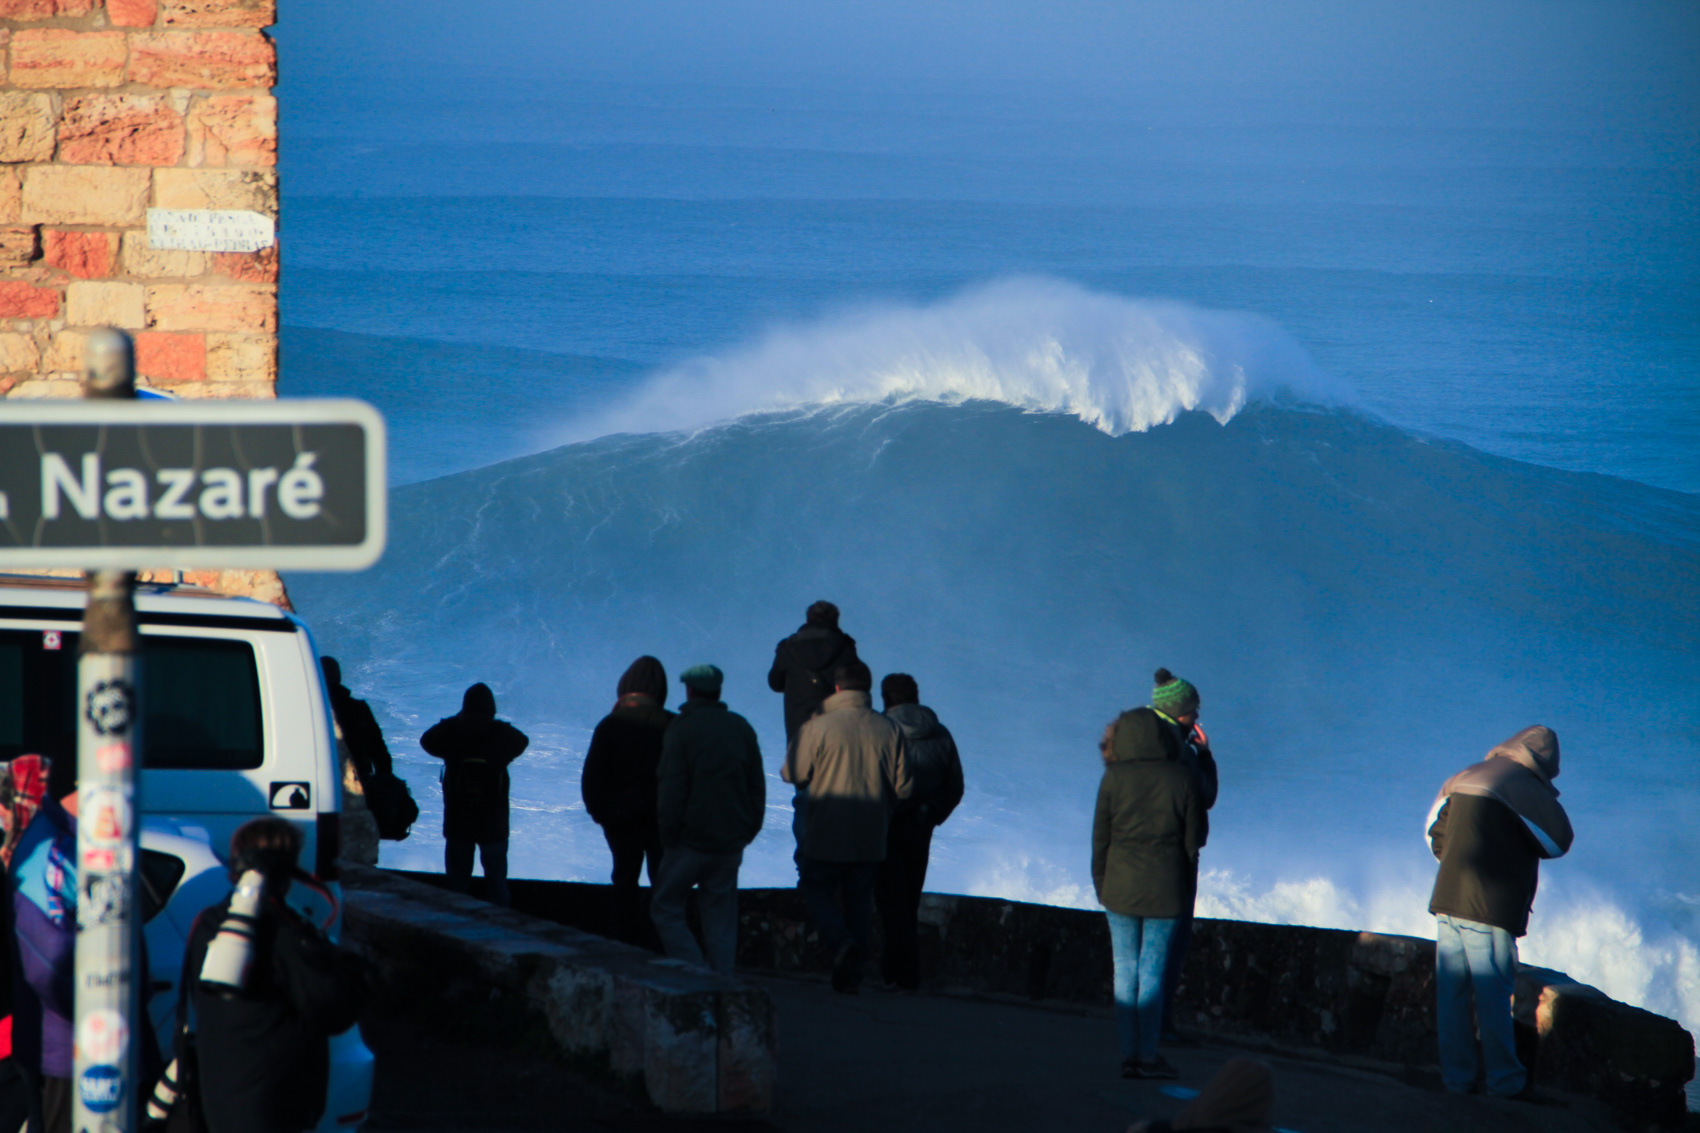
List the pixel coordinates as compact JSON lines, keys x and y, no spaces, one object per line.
{"x":236,"y":723}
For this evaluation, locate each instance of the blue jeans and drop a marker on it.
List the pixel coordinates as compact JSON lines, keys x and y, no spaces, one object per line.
{"x":1179,"y":941}
{"x":821,"y":881}
{"x":1476,"y":961}
{"x":1140,"y":946}
{"x":715,"y":878}
{"x":457,"y":864}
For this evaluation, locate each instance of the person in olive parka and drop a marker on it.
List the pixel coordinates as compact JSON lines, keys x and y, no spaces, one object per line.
{"x":619,"y":784}
{"x":1148,"y":829}
{"x":476,"y":749}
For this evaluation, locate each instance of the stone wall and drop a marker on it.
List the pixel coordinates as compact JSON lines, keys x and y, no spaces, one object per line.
{"x":109,"y":108}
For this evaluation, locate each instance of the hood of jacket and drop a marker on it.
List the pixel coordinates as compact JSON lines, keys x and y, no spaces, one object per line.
{"x":1139,"y":736}
{"x":919,"y":723}
{"x":1535,"y":747}
{"x":816,"y":647}
{"x":479,"y":703}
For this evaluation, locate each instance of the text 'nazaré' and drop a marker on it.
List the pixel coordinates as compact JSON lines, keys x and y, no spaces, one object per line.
{"x":224,"y":493}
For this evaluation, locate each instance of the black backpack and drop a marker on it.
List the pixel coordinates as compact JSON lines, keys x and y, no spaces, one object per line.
{"x":392,"y":805}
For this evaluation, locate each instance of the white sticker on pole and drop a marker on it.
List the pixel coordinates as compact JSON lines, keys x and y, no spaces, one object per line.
{"x":102,"y":1036}
{"x":210,"y":230}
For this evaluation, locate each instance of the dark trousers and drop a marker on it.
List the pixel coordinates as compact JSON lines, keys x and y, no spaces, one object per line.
{"x":457,"y":865}
{"x":822,"y":882}
{"x":897,"y":892}
{"x":630,"y":845}
{"x":1178,"y":943}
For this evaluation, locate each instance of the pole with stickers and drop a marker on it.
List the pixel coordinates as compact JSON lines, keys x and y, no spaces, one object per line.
{"x":106,"y":1073}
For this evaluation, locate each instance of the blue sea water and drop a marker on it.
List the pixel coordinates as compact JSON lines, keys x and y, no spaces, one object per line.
{"x":1365,"y":393}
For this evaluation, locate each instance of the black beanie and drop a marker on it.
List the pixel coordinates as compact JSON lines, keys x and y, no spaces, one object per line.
{"x":645,"y":675}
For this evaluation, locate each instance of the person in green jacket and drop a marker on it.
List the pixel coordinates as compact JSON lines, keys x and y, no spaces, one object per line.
{"x":1149,"y":826}
{"x":710,"y":801}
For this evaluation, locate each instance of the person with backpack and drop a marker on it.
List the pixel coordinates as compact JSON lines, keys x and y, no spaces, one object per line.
{"x":619,"y":786}
{"x":387,"y":797}
{"x":1146,"y":833}
{"x":476,"y":749}
{"x":803,"y":665}
{"x":266,"y":991}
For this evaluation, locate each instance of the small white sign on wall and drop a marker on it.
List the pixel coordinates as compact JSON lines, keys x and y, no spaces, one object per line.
{"x":210,"y":230}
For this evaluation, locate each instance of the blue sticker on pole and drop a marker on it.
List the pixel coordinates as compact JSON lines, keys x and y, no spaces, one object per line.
{"x":101,"y":1088}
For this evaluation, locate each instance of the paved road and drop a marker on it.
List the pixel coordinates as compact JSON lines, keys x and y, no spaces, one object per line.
{"x":904,"y":1064}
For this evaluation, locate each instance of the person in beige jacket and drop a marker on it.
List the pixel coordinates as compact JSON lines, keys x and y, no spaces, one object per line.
{"x":854,"y":763}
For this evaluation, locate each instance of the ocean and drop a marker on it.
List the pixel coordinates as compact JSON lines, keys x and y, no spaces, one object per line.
{"x":1365,"y":396}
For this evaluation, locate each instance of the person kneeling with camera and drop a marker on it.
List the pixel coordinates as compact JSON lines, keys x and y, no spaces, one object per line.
{"x":268,"y":991}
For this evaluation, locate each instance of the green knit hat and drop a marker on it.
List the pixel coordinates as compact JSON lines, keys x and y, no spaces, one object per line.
{"x":1172,"y":696}
{"x":703,"y":678}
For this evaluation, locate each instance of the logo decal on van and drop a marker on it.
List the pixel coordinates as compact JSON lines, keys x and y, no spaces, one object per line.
{"x":291,"y":796}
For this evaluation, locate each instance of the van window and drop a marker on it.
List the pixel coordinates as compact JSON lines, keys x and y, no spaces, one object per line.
{"x":200,"y":700}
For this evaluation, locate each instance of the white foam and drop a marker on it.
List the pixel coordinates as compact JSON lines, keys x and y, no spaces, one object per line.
{"x":1118,"y":363}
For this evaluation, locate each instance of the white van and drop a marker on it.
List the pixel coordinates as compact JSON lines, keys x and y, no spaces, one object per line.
{"x":236,"y":723}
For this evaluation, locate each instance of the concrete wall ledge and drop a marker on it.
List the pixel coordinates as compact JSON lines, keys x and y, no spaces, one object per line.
{"x":695,"y":1042}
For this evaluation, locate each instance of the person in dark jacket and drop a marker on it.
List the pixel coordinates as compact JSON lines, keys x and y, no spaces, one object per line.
{"x":387,"y":797}
{"x":803,"y":665}
{"x":619,"y":784}
{"x":710,"y":803}
{"x":1490,"y":827}
{"x":264,"y":1049}
{"x":1149,"y":826}
{"x":476,"y":749}
{"x":935,"y":770}
{"x":43,"y":878}
{"x":1176,"y":701}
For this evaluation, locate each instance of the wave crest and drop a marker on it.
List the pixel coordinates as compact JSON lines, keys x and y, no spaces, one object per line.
{"x":1120,"y":364}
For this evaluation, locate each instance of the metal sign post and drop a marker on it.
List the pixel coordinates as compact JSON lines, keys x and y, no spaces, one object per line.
{"x":110,"y":484}
{"x":109,"y":1017}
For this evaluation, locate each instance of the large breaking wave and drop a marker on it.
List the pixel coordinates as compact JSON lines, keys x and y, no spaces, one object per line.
{"x":1365,"y":610}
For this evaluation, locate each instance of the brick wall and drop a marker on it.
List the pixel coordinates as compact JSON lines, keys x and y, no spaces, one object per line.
{"x":108,"y":108}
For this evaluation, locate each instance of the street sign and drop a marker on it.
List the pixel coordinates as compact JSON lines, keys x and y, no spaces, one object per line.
{"x":191,"y":484}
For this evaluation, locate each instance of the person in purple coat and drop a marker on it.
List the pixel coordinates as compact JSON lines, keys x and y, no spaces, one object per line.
{"x":43,"y":879}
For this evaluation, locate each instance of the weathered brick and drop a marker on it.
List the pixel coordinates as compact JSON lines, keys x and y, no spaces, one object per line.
{"x":86,"y":255}
{"x":191,"y":306}
{"x":247,"y":391}
{"x":220,"y":13}
{"x":118,"y":129}
{"x":233,"y":130}
{"x":156,"y":263}
{"x":20,"y":300}
{"x":248,"y":267}
{"x":85,"y":194}
{"x":215,"y":189}
{"x":47,"y":387}
{"x":91,"y":304}
{"x":242,"y":358}
{"x":20,"y":244}
{"x":26,"y":126}
{"x":171,"y":358}
{"x":11,"y":195}
{"x":212,"y":60}
{"x":65,"y":353}
{"x":60,"y":57}
{"x":132,"y":13}
{"x":18,"y":352}
{"x":44,"y":9}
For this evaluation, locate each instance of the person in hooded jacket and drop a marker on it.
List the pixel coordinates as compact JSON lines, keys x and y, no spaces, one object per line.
{"x":619,"y":785}
{"x":43,"y":877}
{"x":1148,"y":828}
{"x":476,"y":749}
{"x":387,"y":797}
{"x":803,"y":665}
{"x":1490,"y":827}
{"x":1177,"y":704}
{"x":935,"y":770}
{"x":264,"y":1048}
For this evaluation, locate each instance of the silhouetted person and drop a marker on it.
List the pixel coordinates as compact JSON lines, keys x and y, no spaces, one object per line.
{"x":803,"y":665}
{"x":936,"y":772}
{"x":1146,"y":834}
{"x":1177,"y":702}
{"x":1490,"y":826}
{"x":711,"y":801}
{"x":264,"y":1047}
{"x":476,"y":749}
{"x":619,"y":784}
{"x":855,"y":764}
{"x":387,"y":797}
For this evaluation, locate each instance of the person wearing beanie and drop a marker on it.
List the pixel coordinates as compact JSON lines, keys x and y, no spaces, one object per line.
{"x":1176,"y":703}
{"x":476,"y":749}
{"x":619,"y":784}
{"x":1490,"y":826}
{"x":710,"y":801}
